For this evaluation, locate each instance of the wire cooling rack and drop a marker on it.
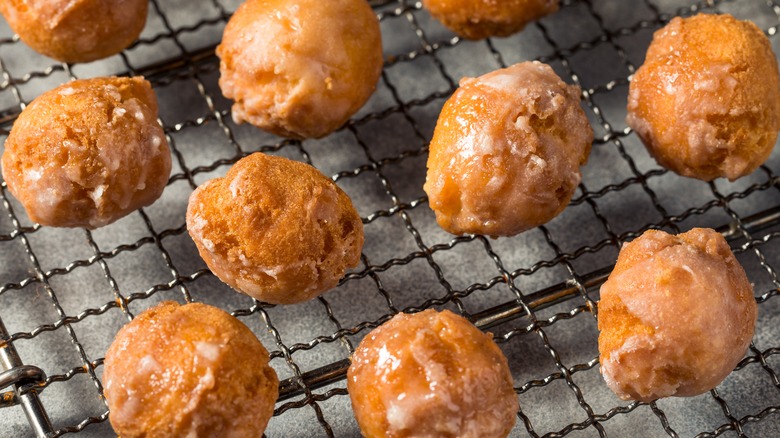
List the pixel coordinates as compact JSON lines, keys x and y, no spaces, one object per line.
{"x":65,"y":293}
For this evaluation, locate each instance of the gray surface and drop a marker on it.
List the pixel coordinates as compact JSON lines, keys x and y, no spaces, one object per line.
{"x":78,"y":278}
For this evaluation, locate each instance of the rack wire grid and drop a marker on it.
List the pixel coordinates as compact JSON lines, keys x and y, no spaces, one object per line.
{"x":66,"y":292}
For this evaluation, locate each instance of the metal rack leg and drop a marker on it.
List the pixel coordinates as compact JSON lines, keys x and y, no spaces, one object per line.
{"x":31,"y":404}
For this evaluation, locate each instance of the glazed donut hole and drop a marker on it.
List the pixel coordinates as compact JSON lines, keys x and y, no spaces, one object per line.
{"x":300,"y":68}
{"x":706,"y":101}
{"x":506,"y":152}
{"x":478,"y":19}
{"x":676,"y":315}
{"x":79,"y":30}
{"x":275,"y":229}
{"x":431,"y":374}
{"x":188,"y":370}
{"x":87,"y":153}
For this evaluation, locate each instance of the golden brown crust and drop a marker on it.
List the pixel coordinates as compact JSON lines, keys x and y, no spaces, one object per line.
{"x":275,"y":229}
{"x":431,"y":374}
{"x":76,"y":30}
{"x":506,"y":151}
{"x":88,"y":153}
{"x":192,"y":369}
{"x":300,"y":68}
{"x":676,"y":315}
{"x":477,"y":19}
{"x":706,"y":102}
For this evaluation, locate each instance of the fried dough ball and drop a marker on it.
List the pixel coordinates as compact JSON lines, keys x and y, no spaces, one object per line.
{"x":188,"y":370}
{"x":431,"y":374}
{"x":478,"y":19}
{"x":676,"y":315}
{"x":300,"y":68}
{"x":88,"y":153}
{"x":506,"y":151}
{"x":706,"y":102}
{"x":275,"y":229}
{"x":76,"y":30}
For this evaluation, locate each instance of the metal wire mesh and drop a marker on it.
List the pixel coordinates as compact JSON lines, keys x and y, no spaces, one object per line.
{"x":65,"y":293}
